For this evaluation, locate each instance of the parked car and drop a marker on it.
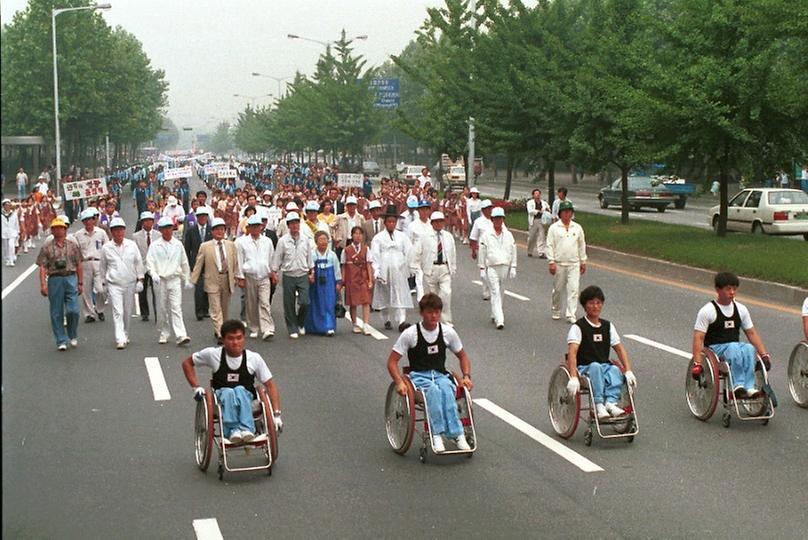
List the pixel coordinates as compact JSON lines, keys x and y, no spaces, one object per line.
{"x":371,"y":168}
{"x":409,"y":173}
{"x":455,"y":177}
{"x":766,"y":211}
{"x":642,"y":191}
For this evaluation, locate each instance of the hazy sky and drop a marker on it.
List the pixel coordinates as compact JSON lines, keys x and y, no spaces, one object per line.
{"x":208,"y":48}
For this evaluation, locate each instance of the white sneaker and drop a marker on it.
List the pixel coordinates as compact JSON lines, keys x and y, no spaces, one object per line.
{"x":571,"y":320}
{"x":121,"y":345}
{"x":74,"y":343}
{"x":302,"y":331}
{"x":162,"y":340}
{"x":247,"y":436}
{"x":183,"y":340}
{"x":366,"y":330}
{"x":357,"y":329}
{"x":462,"y":443}
{"x":62,"y":347}
{"x":268,"y":335}
{"x":253,"y":335}
{"x":235,"y":437}
{"x":556,"y":316}
{"x":614,"y":410}
{"x":601,"y":411}
{"x":294,"y":335}
{"x":437,"y":444}
{"x":330,"y":333}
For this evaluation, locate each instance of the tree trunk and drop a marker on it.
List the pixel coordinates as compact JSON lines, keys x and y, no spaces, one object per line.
{"x":722,"y":215}
{"x":624,"y":195}
{"x":550,"y":180}
{"x":574,"y":172}
{"x":508,"y":177}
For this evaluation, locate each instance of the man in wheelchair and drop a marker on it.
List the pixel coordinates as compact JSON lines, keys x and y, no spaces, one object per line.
{"x":234,"y":371}
{"x":588,"y":344}
{"x":425,"y":345}
{"x":718,"y":326}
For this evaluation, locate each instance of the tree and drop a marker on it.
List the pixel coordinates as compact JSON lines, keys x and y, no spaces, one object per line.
{"x":222,"y":141}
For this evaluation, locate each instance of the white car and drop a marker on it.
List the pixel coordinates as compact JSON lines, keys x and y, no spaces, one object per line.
{"x":409,"y":173}
{"x":455,"y":177}
{"x":766,"y":211}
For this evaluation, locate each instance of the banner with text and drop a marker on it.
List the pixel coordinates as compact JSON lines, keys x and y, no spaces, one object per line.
{"x":84,"y":189}
{"x":226,"y":172}
{"x":179,"y":172}
{"x":349,"y":180}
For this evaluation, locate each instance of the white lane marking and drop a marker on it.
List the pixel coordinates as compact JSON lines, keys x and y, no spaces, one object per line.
{"x":207,"y":529}
{"x":540,"y":437}
{"x":660,"y":346}
{"x":508,"y":293}
{"x":14,"y":284}
{"x":158,"y":382}
{"x":373,"y":332}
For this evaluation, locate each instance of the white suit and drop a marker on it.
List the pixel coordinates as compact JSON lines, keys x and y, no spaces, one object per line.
{"x":168,"y":262}
{"x":478,"y":229}
{"x":497,"y":257}
{"x":11,"y":231}
{"x":390,"y":256}
{"x":415,"y":231}
{"x":437,"y":277}
{"x":122,"y":267}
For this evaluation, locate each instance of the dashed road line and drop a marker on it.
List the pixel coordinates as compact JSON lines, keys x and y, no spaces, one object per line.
{"x":207,"y":529}
{"x":14,"y":284}
{"x":373,"y":332}
{"x":507,"y":293}
{"x":540,"y":437}
{"x":156,"y":378}
{"x":660,"y":346}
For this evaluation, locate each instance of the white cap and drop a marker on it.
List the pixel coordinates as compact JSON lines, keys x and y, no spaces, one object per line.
{"x":202,"y":211}
{"x":474,"y":190}
{"x":165,"y":221}
{"x":437,"y":215}
{"x":172,"y":200}
{"x":254,"y":219}
{"x":146,"y":215}
{"x":498,"y":212}
{"x":116,"y":222}
{"x":266,"y":192}
{"x":291,"y":206}
{"x":64,"y":218}
{"x":312,"y":206}
{"x":350,"y":200}
{"x":216,"y":222}
{"x":292,"y":216}
{"x":87,"y":213}
{"x":486,"y":203}
{"x":374,"y":204}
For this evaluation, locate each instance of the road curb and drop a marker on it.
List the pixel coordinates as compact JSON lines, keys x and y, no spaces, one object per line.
{"x":762,"y":290}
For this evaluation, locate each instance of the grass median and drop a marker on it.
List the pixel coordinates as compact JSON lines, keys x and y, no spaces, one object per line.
{"x":768,"y":258}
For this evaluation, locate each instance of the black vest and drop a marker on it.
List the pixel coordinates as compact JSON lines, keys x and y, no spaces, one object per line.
{"x":425,"y":356}
{"x":724,"y":329}
{"x":595,"y":342}
{"x":224,"y":377}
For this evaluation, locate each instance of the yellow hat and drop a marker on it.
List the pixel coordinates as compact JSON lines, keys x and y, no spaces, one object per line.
{"x":57,"y":222}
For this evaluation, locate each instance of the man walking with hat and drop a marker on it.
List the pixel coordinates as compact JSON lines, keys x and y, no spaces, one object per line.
{"x":91,"y":239}
{"x":195,"y":236}
{"x":434,"y":256}
{"x":566,"y":255}
{"x":255,"y":251}
{"x":144,"y":238}
{"x":293,"y":260}
{"x":390,"y":252}
{"x":479,"y":227}
{"x":168,"y":267}
{"x":497,"y":260}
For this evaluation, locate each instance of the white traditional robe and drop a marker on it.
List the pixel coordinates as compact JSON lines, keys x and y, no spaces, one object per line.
{"x":390,"y":257}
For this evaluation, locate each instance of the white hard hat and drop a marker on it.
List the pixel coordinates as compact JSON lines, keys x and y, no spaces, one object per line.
{"x":86,"y":214}
{"x":498,"y":212}
{"x":350,"y":200}
{"x":486,"y":204}
{"x":217,"y":222}
{"x":146,"y":215}
{"x":437,"y":215}
{"x":202,"y":211}
{"x":292,"y":216}
{"x":266,"y":192}
{"x":254,"y":219}
{"x":312,"y":206}
{"x":117,"y":222}
{"x":374,"y":204}
{"x":291,"y":206}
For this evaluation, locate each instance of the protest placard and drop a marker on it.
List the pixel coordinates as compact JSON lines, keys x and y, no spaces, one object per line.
{"x":179,"y":172}
{"x":349,"y":180}
{"x":84,"y":189}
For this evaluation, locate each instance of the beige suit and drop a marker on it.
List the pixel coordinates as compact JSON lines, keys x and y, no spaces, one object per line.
{"x":343,"y":235}
{"x":219,"y":285}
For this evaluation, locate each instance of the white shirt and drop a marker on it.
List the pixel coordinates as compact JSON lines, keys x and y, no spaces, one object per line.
{"x":22,"y":179}
{"x":221,"y":253}
{"x":121,"y":265}
{"x":11,"y":225}
{"x":293,"y":256}
{"x":534,"y":211}
{"x":424,"y":180}
{"x":211,"y":357}
{"x":473,"y":205}
{"x":707,"y":316}
{"x":481,"y":226}
{"x":805,"y":308}
{"x":556,"y":202}
{"x":566,"y":245}
{"x":168,"y":260}
{"x":409,"y":338}
{"x":425,"y":253}
{"x":574,"y":335}
{"x":176,"y":213}
{"x":417,"y":229}
{"x":254,"y":256}
{"x":497,"y":249}
{"x":91,"y":243}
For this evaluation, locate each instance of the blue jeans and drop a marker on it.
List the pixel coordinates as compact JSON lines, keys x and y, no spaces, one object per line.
{"x":439,"y":392}
{"x":741,"y":360}
{"x":20,"y":191}
{"x":64,"y":301}
{"x":605,"y":381}
{"x":236,"y":410}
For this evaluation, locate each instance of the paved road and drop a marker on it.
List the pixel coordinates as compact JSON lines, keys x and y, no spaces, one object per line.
{"x":88,"y":452}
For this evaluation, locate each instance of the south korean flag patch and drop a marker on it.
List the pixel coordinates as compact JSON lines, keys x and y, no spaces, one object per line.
{"x":729,"y":324}
{"x":432,"y":349}
{"x":232,"y":377}
{"x":597,"y":338}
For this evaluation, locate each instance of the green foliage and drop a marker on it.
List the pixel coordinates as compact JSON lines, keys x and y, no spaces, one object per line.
{"x":222,"y":140}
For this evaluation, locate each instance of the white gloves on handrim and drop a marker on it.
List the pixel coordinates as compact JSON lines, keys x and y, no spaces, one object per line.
{"x":573,"y":386}
{"x":199,"y":393}
{"x":631,"y":380}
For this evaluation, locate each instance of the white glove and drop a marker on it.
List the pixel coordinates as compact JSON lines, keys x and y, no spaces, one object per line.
{"x":155,"y":279}
{"x":631,"y":380}
{"x":278,"y":422}
{"x":512,"y":273}
{"x":573,"y":386}
{"x":381,"y":280}
{"x":482,"y":273}
{"x":199,"y":393}
{"x":188,"y":285}
{"x":139,"y":287}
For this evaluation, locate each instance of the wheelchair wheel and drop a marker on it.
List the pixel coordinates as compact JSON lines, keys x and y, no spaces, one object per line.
{"x":798,"y":374}
{"x":564,"y":409}
{"x":272,"y":434}
{"x":466,"y":416}
{"x":203,"y":431}
{"x":702,"y":393}
{"x":399,"y":418}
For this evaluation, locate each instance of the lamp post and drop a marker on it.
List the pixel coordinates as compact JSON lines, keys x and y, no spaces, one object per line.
{"x":252,"y":98}
{"x":54,"y":13}
{"x":323,"y":43}
{"x":277,"y":79}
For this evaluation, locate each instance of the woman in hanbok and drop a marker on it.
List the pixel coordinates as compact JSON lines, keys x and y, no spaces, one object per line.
{"x":321,"y":317}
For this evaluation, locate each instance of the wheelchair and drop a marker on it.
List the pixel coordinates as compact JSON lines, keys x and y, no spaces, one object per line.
{"x":208,"y":430}
{"x":715,"y":382}
{"x":403,"y":413}
{"x":798,"y":374}
{"x":565,"y":410}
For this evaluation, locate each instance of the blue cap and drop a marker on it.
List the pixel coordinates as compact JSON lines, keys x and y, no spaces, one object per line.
{"x":424,"y":204}
{"x":412,"y":203}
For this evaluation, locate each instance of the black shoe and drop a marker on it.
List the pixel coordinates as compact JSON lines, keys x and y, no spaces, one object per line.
{"x":500,"y":326}
{"x":89,"y":319}
{"x":199,"y":317}
{"x":101,"y":317}
{"x":403,"y":326}
{"x":206,"y":315}
{"x":144,"y":318}
{"x":387,"y":325}
{"x":529,"y":254}
{"x":740,"y":393}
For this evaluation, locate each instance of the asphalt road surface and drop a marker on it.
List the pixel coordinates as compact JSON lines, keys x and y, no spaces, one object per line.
{"x":89,"y":453}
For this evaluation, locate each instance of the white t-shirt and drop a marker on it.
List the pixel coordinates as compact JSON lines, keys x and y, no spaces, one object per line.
{"x":423,"y":181}
{"x":255,"y":363}
{"x":574,"y":335}
{"x":409,"y":338}
{"x":805,"y":308}
{"x":707,"y":316}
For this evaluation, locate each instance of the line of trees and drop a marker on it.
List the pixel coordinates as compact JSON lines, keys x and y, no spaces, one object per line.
{"x":107,"y":85}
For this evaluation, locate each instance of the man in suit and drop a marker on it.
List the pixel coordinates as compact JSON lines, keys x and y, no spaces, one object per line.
{"x":194,"y":237}
{"x":217,"y":261}
{"x":345,"y":224}
{"x":143,"y":239}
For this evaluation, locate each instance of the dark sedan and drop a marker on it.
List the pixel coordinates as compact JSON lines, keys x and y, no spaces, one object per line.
{"x":642,"y":191}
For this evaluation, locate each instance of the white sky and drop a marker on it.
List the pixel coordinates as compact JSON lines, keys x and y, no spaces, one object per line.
{"x":208,"y":48}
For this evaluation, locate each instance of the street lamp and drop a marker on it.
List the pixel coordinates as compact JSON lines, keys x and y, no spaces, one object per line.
{"x":54,"y":13}
{"x":252,"y":98}
{"x":323,"y":43}
{"x":277,"y":79}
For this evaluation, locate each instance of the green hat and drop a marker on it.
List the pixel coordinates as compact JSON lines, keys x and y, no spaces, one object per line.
{"x":565,"y":205}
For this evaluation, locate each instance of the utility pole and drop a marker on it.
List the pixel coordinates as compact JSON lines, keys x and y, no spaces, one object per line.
{"x":107,"y":150}
{"x":471,"y":180}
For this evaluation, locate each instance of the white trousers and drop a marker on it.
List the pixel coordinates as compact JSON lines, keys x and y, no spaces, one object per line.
{"x":93,"y":283}
{"x":496,"y":279}
{"x":565,"y":284}
{"x":9,"y":248}
{"x":440,"y":283}
{"x":169,"y":307}
{"x":419,"y":284}
{"x":259,"y":312}
{"x":122,"y":299}
{"x":535,"y":237}
{"x":396,"y":315}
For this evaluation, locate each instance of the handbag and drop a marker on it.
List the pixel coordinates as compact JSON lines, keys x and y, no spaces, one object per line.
{"x":546,"y":218}
{"x":340,"y":311}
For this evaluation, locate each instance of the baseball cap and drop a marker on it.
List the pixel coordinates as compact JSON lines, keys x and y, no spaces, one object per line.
{"x":254,"y":219}
{"x":56,"y":222}
{"x":486,"y":203}
{"x":86,"y":214}
{"x":217,"y":222}
{"x":165,"y":221}
{"x":172,"y":200}
{"x":412,"y":203}
{"x":424,"y":204}
{"x":374,"y":204}
{"x":565,"y":205}
{"x":200,"y":211}
{"x":437,"y":215}
{"x":498,"y":212}
{"x":146,"y":215}
{"x":117,"y":222}
{"x":312,"y":206}
{"x":350,"y":200}
{"x":292,"y":216}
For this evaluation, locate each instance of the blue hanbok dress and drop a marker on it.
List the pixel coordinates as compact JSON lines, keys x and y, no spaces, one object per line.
{"x":321,"y":316}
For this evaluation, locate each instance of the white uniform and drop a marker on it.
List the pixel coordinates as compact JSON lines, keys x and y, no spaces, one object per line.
{"x":437,"y":278}
{"x":537,"y":231}
{"x":481,"y":226}
{"x":11,"y":231}
{"x":254,"y":262}
{"x":566,"y":247}
{"x":168,"y":261}
{"x":390,"y":258}
{"x":415,"y":231}
{"x":90,"y":245}
{"x":497,"y":257}
{"x":122,"y":267}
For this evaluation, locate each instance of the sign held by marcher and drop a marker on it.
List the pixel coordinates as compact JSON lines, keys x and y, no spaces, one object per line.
{"x":349,"y":180}
{"x":84,"y":189}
